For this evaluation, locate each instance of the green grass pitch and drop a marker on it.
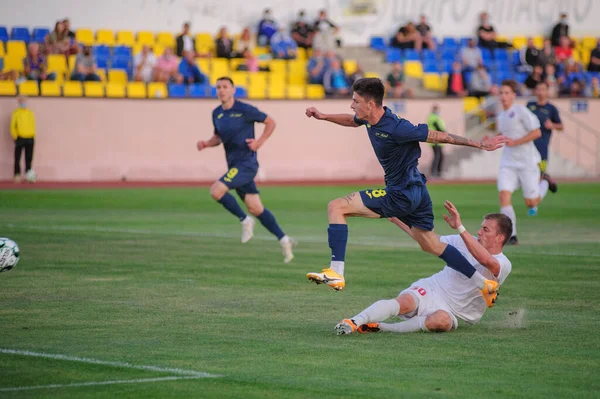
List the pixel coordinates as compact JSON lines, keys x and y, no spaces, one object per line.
{"x":158,"y":277}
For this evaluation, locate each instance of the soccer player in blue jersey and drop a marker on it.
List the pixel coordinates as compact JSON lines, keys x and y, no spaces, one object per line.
{"x":233,"y":123}
{"x":396,"y":144}
{"x":549,"y":118}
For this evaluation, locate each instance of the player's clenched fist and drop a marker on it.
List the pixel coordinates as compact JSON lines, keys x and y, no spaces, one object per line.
{"x":314,"y":113}
{"x":201,"y":145}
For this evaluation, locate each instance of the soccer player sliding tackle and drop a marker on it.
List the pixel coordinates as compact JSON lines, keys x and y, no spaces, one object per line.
{"x":437,"y":302}
{"x":396,"y":144}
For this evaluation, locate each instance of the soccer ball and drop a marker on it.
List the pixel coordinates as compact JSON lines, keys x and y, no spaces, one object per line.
{"x":9,"y":254}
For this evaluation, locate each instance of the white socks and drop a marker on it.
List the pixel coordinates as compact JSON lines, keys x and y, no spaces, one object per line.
{"x":510,"y":212}
{"x":284,"y":240}
{"x":411,"y":325}
{"x":544,"y":188}
{"x":247,"y":220}
{"x":337,"y":266}
{"x":379,"y":311}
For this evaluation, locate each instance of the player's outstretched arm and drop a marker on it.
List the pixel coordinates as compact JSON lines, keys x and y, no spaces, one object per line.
{"x":255,"y":144}
{"x":214,"y":141}
{"x":339,"y":119}
{"x":475,"y":248}
{"x":487,"y":143}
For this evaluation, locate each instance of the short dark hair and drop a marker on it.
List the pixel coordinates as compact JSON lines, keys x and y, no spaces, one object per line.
{"x":370,"y":89}
{"x":505,"y":225}
{"x":512,"y":84}
{"x":542,"y":82}
{"x":227,"y":78}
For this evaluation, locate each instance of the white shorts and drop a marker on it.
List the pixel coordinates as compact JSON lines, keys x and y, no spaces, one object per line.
{"x":510,"y":179}
{"x":428,"y":301}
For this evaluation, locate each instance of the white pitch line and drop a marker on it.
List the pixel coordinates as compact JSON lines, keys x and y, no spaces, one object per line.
{"x":93,"y":383}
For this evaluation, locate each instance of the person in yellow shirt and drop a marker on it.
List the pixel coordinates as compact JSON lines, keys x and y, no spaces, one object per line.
{"x":22,"y":129}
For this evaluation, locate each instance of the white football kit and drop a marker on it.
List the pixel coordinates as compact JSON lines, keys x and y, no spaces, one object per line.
{"x":519,"y":166}
{"x":452,"y":291}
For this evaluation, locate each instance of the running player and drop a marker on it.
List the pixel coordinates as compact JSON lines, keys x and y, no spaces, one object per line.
{"x":549,"y":118}
{"x":396,"y":144}
{"x":519,"y":165}
{"x":437,"y":302}
{"x":234,"y":122}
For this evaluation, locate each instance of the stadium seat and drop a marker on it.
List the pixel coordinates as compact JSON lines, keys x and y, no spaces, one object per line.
{"x":177,"y":90}
{"x":29,"y":88}
{"x":278,"y":66}
{"x":50,"y":89}
{"x":502,"y":39}
{"x":315,"y":92}
{"x":4,"y":34}
{"x":258,"y":51}
{"x":2,"y":49}
{"x":71,"y":63}
{"x":218,"y":67}
{"x":125,"y":38}
{"x":102,"y":61}
{"x":157,"y":90}
{"x":235,"y":62}
{"x":301,"y":53}
{"x":501,"y":54}
{"x":16,"y":48}
{"x":486,"y":54}
{"x":122,"y":63}
{"x":470,"y":104}
{"x":430,"y":66}
{"x":521,"y":77}
{"x":8,"y":88}
{"x":393,"y":55}
{"x":257,"y":92}
{"x":240,"y":79}
{"x":115,"y":89}
{"x":204,"y":43}
{"x":413,"y":69}
{"x":145,"y":37}
{"x":411,"y":55}
{"x":12,"y":63}
{"x":122,"y":51}
{"x":464,"y":41}
{"x":538,"y":41}
{"x":449,"y":54}
{"x":576,"y":55}
{"x":72,"y":89}
{"x":296,"y":92}
{"x":166,"y":39}
{"x":427,"y":54}
{"x":241,"y":92}
{"x":57,"y":63}
{"x":93,"y":89}
{"x":101,"y":50}
{"x":519,"y":42}
{"x":432,"y":81}
{"x":585,"y":57}
{"x":105,"y":37}
{"x":39,"y":34}
{"x":276,"y":92}
{"x":136,"y":90}
{"x":204,"y":65}
{"x":200,"y":90}
{"x":20,"y":33}
{"x":350,"y":66}
{"x":117,"y":76}
{"x":449,"y":42}
{"x":371,"y":75}
{"x":378,"y":43}
{"x":589,"y":42}
{"x":84,"y":36}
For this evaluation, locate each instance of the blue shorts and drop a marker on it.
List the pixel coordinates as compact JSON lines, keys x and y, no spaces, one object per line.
{"x":240,"y":179}
{"x":411,"y":204}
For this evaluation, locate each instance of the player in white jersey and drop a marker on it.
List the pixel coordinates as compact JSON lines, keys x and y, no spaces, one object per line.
{"x":519,"y":165}
{"x":437,"y":302}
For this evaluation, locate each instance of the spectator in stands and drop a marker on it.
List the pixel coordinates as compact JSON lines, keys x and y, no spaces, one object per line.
{"x":530,"y":55}
{"x":547,"y":55}
{"x":551,"y":80}
{"x":85,"y":66}
{"x":68,"y":30}
{"x":593,"y":90}
{"x":594,"y":65}
{"x":575,"y":89}
{"x":486,"y":33}
{"x":425,"y":31}
{"x":224,"y":45}
{"x":22,"y":130}
{"x":480,"y":83}
{"x":250,"y":63}
{"x":317,"y":65}
{"x":563,"y":51}
{"x":302,"y":33}
{"x":245,"y":42}
{"x":536,"y":76}
{"x":34,"y":64}
{"x":325,"y":33}
{"x":560,"y":29}
{"x":266,"y":28}
{"x":335,"y":81}
{"x":58,"y":42}
{"x":572,"y":71}
{"x":189,"y":70}
{"x":144,"y":64}
{"x":185,"y":42}
{"x":167,"y":68}
{"x":394,"y":83}
{"x":9,"y":75}
{"x":356,"y":75}
{"x":283,"y":47}
{"x":471,"y":56}
{"x":457,"y":82}
{"x":408,"y":38}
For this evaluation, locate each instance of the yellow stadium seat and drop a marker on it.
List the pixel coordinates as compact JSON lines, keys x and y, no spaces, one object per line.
{"x":203,"y":64}
{"x":413,"y":69}
{"x":219,"y":67}
{"x":276,"y":92}
{"x":519,"y":42}
{"x":117,"y":76}
{"x":8,"y":88}
{"x":115,"y":89}
{"x":57,"y":63}
{"x":146,"y":37}
{"x":136,"y":90}
{"x":297,"y":78}
{"x":71,"y":63}
{"x":16,"y":48}
{"x":102,"y":74}
{"x":502,"y":39}
{"x":166,"y":39}
{"x":50,"y":89}
{"x":350,"y":66}
{"x":158,"y":50}
{"x":125,"y":38}
{"x":576,"y":42}
{"x":296,"y":92}
{"x":315,"y":92}
{"x":585,"y":57}
{"x":432,"y":81}
{"x":257,"y":92}
{"x":576,"y":55}
{"x":235,"y":62}
{"x":301,"y":53}
{"x":258,"y":51}
{"x":371,"y":75}
{"x":257,"y":79}
{"x":1,"y":49}
{"x":12,"y":63}
{"x":278,"y":66}
{"x":297,"y":71}
{"x":84,"y":36}
{"x":239,"y":78}
{"x":105,"y":37}
{"x":73,"y":89}
{"x":93,"y":89}
{"x":29,"y":88}
{"x":589,"y":42}
{"x":470,"y":103}
{"x":538,"y":41}
{"x":204,"y":43}
{"x":157,"y":90}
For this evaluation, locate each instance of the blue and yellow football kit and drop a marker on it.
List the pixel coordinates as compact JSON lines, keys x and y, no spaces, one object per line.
{"x":543,"y":113}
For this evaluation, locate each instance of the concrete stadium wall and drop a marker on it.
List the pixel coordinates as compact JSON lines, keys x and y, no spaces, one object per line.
{"x":359,"y":20}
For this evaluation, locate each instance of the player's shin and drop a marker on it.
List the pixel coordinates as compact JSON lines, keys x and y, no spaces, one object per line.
{"x":268,"y":220}
{"x":379,"y":311}
{"x":411,"y":325}
{"x":544,"y":185}
{"x":338,"y":238}
{"x":229,"y":202}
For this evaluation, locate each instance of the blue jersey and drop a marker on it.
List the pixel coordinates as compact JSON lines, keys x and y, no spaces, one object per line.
{"x":543,"y":113}
{"x":396,"y":144}
{"x":234,"y":126}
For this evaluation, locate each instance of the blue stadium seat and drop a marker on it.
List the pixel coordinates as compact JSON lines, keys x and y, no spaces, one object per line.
{"x":393,"y":55}
{"x":20,"y":33}
{"x":516,"y":58}
{"x":177,"y":91}
{"x":447,"y":66}
{"x":101,"y":51}
{"x":39,"y":34}
{"x":521,"y":77}
{"x":501,"y":54}
{"x":201,"y":91}
{"x":449,"y":42}
{"x":449,"y":54}
{"x":427,"y":54}
{"x":430,"y":66}
{"x":122,"y":51}
{"x":241,"y":92}
{"x":102,"y":61}
{"x":591,"y":75}
{"x":486,"y":54}
{"x":3,"y":34}
{"x":378,"y":43}
{"x":501,"y":65}
{"x":411,"y":55}
{"x":468,"y":76}
{"x":464,"y":41}
{"x":499,"y":76}
{"x":121,"y":62}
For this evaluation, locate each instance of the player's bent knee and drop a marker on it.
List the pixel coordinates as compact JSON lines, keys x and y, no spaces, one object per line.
{"x":218,"y":190}
{"x":439,"y":321}
{"x":407,"y":303}
{"x":335,"y":207}
{"x":256,"y":210}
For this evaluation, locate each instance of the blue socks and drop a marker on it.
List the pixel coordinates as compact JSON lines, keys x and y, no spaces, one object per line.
{"x":229,"y":202}
{"x":268,"y":220}
{"x":456,"y":261}
{"x":338,"y":237}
